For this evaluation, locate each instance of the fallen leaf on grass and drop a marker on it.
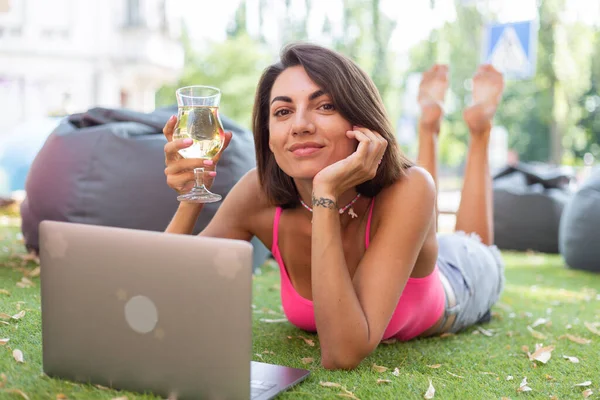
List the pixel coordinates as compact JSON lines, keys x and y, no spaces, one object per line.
{"x":396,"y":372}
{"x":308,"y":341}
{"x":34,"y":273}
{"x":61,"y":396}
{"x":30,"y":257}
{"x":330,"y":384}
{"x":536,"y":334}
{"x":447,"y":334}
{"x":587,"y":393}
{"x":549,"y":377}
{"x":592,"y":328}
{"x":346,"y":393}
{"x":575,"y":339}
{"x":584,"y":384}
{"x":273,"y":321}
{"x":307,"y":360}
{"x":389,"y":341}
{"x":4,"y":380}
{"x":102,"y":387}
{"x":485,"y":332}
{"x":542,"y":354}
{"x":540,"y":321}
{"x":25,"y":283}
{"x":380,"y":381}
{"x":4,"y":341}
{"x":435,"y":366}
{"x":509,"y":378}
{"x":5,"y":316}
{"x":4,"y":291}
{"x":19,"y":315}
{"x":19,"y":392}
{"x":18,"y":355}
{"x":268,"y":352}
{"x":430,"y":391}
{"x":525,"y":348}
{"x":523,"y":386}
{"x":379,"y":368}
{"x":574,"y":360}
{"x":458,"y":376}
{"x":120,"y":398}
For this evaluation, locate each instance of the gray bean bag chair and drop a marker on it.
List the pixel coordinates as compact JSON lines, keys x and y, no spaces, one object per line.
{"x":106,"y":167}
{"x":580,"y":227}
{"x":528,"y":204}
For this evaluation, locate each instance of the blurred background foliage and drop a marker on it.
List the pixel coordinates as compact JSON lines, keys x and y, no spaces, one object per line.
{"x":553,"y":117}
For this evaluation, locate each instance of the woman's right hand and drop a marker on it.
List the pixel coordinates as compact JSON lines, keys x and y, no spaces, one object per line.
{"x":179,"y":170}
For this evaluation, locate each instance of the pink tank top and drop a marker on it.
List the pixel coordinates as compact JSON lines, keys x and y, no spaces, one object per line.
{"x":420,"y":306}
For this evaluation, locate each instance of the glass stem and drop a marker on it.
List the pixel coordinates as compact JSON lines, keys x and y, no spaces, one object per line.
{"x":199,"y":175}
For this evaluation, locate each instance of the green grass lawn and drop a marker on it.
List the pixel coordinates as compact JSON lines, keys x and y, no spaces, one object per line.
{"x":475,"y":364}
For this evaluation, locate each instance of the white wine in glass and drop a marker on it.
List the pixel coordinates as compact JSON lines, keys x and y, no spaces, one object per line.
{"x":198,"y":119}
{"x":202,"y":125}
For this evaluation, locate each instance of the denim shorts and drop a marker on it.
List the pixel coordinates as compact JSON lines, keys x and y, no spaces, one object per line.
{"x":475,"y":273}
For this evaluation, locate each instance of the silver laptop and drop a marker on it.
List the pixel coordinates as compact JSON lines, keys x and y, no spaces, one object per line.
{"x":152,"y":312}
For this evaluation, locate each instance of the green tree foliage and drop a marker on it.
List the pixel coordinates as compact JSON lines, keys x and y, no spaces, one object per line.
{"x":553,"y":116}
{"x":589,"y":103}
{"x":457,"y":44}
{"x":234,"y":66}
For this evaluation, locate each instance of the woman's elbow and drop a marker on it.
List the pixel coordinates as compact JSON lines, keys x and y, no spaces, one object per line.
{"x":347,"y":362}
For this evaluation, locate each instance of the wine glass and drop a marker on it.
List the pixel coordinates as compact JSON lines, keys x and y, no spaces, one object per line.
{"x":198,"y":119}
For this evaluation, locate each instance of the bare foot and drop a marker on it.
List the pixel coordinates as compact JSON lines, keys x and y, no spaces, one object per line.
{"x":488,"y":85}
{"x":432,"y":91}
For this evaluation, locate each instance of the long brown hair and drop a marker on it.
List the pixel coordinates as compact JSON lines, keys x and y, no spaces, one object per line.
{"x":354,"y":96}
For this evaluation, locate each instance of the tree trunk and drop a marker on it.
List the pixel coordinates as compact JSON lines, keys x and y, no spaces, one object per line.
{"x":556,"y":147}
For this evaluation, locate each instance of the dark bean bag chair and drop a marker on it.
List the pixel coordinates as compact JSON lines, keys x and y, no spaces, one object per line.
{"x":528,"y":204}
{"x":580,"y":227}
{"x":106,"y":167}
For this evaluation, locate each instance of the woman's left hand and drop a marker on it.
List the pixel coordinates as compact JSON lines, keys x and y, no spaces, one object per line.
{"x":355,"y":169}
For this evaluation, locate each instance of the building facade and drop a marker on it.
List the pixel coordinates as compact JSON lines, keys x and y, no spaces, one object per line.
{"x":63,"y":56}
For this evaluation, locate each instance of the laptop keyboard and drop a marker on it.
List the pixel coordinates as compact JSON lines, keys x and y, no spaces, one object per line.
{"x":258,"y":387}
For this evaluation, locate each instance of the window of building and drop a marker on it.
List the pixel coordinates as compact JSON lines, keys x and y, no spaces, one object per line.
{"x":134,"y":14}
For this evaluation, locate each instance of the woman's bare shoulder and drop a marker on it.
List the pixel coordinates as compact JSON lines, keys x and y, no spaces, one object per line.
{"x":416,"y":182}
{"x":249,"y":185}
{"x":247,"y":200}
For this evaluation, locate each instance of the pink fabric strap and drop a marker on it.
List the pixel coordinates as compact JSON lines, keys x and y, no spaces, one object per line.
{"x":275,"y":246}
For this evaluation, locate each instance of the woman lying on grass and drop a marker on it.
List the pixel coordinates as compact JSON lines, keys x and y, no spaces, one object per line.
{"x":351,"y":221}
